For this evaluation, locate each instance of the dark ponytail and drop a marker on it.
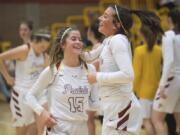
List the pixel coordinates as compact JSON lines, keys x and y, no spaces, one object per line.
{"x":124,"y":17}
{"x":150,"y":19}
{"x":150,"y":28}
{"x":149,"y":36}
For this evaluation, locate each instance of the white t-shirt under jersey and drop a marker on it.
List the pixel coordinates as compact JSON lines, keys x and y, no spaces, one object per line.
{"x":70,"y":94}
{"x":171,"y":56}
{"x":28,"y":70}
{"x":116,"y":71}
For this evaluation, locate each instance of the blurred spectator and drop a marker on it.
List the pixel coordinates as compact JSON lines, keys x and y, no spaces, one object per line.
{"x":25,"y":31}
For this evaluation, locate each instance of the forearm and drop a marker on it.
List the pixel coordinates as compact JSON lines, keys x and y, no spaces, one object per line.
{"x":32,"y":101}
{"x":92,"y":55}
{"x":41,"y":84}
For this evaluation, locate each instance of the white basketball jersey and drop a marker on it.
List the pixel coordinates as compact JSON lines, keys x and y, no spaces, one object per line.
{"x":109,"y":63}
{"x":28,"y":70}
{"x":71,"y":93}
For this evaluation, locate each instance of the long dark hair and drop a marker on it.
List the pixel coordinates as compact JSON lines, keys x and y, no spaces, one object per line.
{"x":94,"y":28}
{"x":124,"y":16}
{"x":149,"y":36}
{"x":57,"y":53}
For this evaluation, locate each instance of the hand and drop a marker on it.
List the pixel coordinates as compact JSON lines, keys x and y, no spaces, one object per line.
{"x":47,"y":119}
{"x":162,"y":92}
{"x":10,"y":81}
{"x":91,"y":78}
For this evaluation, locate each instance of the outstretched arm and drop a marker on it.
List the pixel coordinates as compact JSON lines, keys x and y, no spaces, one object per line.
{"x":92,"y":55}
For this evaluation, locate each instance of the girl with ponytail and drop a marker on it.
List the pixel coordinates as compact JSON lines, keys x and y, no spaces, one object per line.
{"x":69,"y":93}
{"x":147,"y":71}
{"x":116,"y":71}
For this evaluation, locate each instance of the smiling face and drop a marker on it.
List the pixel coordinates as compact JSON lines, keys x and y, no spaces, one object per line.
{"x":73,"y":44}
{"x":106,"y":25}
{"x":24,"y":31}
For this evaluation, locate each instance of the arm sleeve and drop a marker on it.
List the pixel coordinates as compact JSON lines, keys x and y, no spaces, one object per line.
{"x":168,"y":58}
{"x":137,"y":65}
{"x":121,"y":55}
{"x":92,"y":55}
{"x":36,"y":90}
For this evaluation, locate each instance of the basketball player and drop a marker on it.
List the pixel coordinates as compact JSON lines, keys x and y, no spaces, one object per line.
{"x":167,"y":98}
{"x":30,"y":61}
{"x":70,"y":94}
{"x":122,"y":111}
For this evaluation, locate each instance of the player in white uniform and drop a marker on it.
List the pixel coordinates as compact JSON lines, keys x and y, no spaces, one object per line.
{"x":122,"y":111}
{"x":70,"y":94}
{"x":167,"y":98}
{"x":30,"y":61}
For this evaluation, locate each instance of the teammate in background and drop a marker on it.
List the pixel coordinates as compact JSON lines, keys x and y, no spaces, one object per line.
{"x":30,"y":61}
{"x":121,"y":109}
{"x":95,"y":37}
{"x":70,"y":94}
{"x":25,"y":31}
{"x":167,"y":98}
{"x":147,"y":69}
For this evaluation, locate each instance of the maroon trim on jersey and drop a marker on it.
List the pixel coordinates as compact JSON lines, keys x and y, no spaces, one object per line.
{"x":170,"y":78}
{"x":17,"y":108}
{"x":125,"y":128}
{"x":18,"y":114}
{"x":15,"y":93}
{"x":166,"y":86}
{"x":125,"y":119}
{"x":121,"y":114}
{"x":15,"y":100}
{"x":122,"y":122}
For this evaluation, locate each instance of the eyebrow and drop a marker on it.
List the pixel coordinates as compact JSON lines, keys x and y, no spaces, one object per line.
{"x":75,"y":37}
